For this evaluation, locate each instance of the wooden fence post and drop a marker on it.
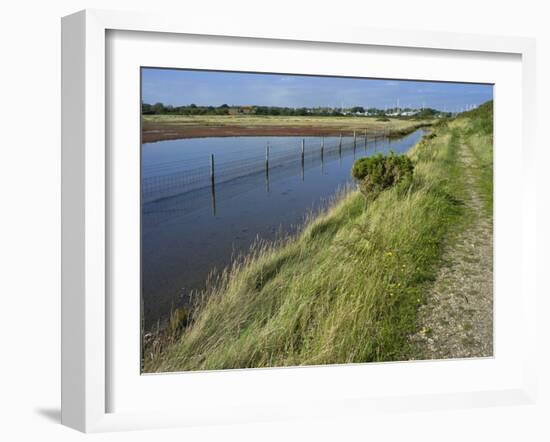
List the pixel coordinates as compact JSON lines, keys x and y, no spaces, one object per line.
{"x":212,"y":174}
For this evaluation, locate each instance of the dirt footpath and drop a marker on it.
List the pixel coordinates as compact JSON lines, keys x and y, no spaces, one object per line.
{"x":457,"y":319}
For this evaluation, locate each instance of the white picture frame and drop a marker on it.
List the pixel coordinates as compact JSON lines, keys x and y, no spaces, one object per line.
{"x":86,"y":203}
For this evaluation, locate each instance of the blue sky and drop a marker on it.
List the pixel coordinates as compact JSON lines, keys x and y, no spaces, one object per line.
{"x":182,"y":87}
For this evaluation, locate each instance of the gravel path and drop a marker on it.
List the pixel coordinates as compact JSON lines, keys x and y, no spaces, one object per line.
{"x":457,"y":319}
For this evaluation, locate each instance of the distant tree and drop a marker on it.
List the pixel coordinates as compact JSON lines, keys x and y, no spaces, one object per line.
{"x":261,"y":110}
{"x":427,"y":113}
{"x":158,"y":108}
{"x":375,"y":111}
{"x":146,"y":109}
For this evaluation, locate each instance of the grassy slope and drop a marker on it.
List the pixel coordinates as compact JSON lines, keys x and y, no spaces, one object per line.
{"x":347,"y":289}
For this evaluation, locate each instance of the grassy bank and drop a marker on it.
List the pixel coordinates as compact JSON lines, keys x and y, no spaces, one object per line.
{"x":346,"y":289}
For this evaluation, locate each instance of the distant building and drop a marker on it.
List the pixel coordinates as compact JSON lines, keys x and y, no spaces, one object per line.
{"x":246,"y":109}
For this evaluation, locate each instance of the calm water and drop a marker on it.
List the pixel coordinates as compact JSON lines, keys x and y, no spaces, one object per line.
{"x":191,"y":230}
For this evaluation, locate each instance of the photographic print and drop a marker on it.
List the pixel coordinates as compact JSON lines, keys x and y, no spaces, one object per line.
{"x":298,"y":220}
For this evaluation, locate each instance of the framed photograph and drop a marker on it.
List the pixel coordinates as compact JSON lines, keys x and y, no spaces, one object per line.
{"x":292,"y":223}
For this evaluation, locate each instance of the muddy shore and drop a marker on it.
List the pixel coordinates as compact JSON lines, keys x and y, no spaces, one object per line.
{"x":152,"y":132}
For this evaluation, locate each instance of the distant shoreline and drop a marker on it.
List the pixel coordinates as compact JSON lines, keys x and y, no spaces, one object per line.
{"x":163,"y":132}
{"x":162,"y":129}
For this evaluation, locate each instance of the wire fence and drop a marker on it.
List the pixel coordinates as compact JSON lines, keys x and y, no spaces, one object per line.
{"x":170,"y":180}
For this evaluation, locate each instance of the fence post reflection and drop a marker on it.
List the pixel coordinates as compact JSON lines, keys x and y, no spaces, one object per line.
{"x":213,"y":183}
{"x":322,"y":153}
{"x":303,"y":153}
{"x":267,"y":167}
{"x":213,"y":199}
{"x":340,"y":148}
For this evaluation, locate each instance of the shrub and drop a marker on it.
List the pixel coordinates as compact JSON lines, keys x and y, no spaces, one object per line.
{"x":379,"y":172}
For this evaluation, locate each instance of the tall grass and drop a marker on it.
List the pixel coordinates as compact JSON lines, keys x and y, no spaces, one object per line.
{"x":345,"y":289}
{"x":477,"y":127}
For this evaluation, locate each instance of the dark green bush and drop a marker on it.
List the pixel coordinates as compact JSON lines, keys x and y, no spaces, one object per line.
{"x":379,"y":172}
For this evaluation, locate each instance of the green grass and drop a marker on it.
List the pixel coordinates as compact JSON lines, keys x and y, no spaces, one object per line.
{"x":346,"y":289}
{"x":478,"y":136}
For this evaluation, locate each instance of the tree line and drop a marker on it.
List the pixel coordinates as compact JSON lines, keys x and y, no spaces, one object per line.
{"x":225,"y":109}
